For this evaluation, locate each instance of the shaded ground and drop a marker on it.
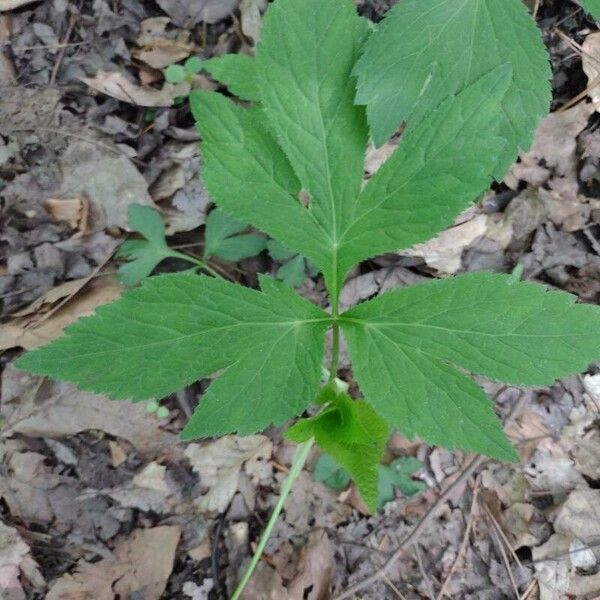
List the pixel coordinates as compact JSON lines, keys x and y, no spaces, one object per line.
{"x":99,"y":499}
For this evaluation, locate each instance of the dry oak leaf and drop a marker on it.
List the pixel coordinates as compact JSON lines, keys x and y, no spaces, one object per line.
{"x":219,"y":465}
{"x":141,"y":567}
{"x":118,"y":86}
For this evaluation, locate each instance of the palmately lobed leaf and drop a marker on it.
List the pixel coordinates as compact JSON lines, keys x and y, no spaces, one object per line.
{"x":426,"y":50}
{"x":442,"y":164}
{"x":176,"y":329}
{"x":406,"y":345}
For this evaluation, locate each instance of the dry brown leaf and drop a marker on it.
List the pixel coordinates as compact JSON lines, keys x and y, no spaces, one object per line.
{"x":219,"y":465}
{"x":120,"y":87}
{"x":51,"y":297}
{"x":73,"y":211}
{"x":36,"y":407}
{"x":187,"y":13}
{"x":315,"y":568}
{"x":6,"y":5}
{"x":108,"y":179}
{"x":444,"y":252}
{"x":159,"y":48}
{"x":24,"y":333}
{"x":554,"y":147}
{"x":251,"y":18}
{"x":141,"y":567}
{"x":590,"y":61}
{"x":16,"y":563}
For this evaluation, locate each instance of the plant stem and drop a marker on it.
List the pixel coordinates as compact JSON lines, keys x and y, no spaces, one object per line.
{"x":198,"y":262}
{"x":297,"y":465}
{"x":335,"y":352}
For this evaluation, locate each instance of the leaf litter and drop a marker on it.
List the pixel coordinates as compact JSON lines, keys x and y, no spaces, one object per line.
{"x":544,"y":507}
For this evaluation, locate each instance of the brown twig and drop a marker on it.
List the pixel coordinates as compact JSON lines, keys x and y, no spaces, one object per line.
{"x":470,"y":467}
{"x":463,"y":545}
{"x":504,"y":556}
{"x":61,"y":53}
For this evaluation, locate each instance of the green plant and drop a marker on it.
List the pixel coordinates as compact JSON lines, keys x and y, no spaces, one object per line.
{"x":470,"y":103}
{"x":179,"y":73}
{"x":592,"y":7}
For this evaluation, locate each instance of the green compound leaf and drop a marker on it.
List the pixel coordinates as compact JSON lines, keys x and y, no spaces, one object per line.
{"x":145,"y":254}
{"x":443,"y":163}
{"x":222,"y":238}
{"x":237,"y":72}
{"x":304,"y":63}
{"x":426,"y":50}
{"x":261,"y":186}
{"x":592,"y":7}
{"x":398,"y":475}
{"x":406,"y":345}
{"x":327,"y":471}
{"x":354,"y":435}
{"x":176,"y":329}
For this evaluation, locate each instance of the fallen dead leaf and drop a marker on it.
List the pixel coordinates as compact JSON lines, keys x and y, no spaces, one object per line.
{"x":251,"y":18}
{"x":73,"y":211}
{"x":315,"y":568}
{"x":6,"y":5}
{"x":444,"y":252}
{"x":220,"y":463}
{"x":590,"y":61}
{"x":554,"y":149}
{"x":141,"y":567}
{"x":187,"y":13}
{"x":16,"y":563}
{"x":24,"y":332}
{"x":159,"y":48}
{"x":110,"y":182}
{"x":36,"y":407}
{"x":120,"y":87}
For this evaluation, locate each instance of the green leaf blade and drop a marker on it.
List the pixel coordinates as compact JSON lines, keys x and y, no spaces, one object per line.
{"x":442,"y":164}
{"x":305,"y":60}
{"x":354,"y":435}
{"x":176,"y":329}
{"x":237,"y":72}
{"x":485,"y":323}
{"x":261,"y":187}
{"x":592,"y":7}
{"x":400,"y":78}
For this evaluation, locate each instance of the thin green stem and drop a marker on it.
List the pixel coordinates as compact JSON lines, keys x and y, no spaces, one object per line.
{"x":297,"y":465}
{"x":204,"y":266}
{"x":335,"y":352}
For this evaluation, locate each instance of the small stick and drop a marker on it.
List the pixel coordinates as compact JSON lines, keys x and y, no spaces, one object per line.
{"x":463,"y":545}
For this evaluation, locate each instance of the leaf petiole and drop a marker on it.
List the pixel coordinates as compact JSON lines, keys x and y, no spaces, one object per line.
{"x":298,"y":463}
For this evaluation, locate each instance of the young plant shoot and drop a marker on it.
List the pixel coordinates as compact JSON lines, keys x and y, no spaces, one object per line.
{"x":321,"y":85}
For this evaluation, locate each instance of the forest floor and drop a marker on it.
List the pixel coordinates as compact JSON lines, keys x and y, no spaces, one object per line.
{"x":100,"y":500}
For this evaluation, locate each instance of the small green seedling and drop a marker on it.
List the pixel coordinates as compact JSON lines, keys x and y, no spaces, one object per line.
{"x":145,"y":255}
{"x":289,"y":160}
{"x":224,"y":238}
{"x":295,"y":268}
{"x":398,"y":474}
{"x":179,"y":73}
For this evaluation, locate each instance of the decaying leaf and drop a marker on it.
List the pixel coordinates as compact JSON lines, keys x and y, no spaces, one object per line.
{"x":120,"y":87}
{"x":160,"y":48}
{"x":219,"y":465}
{"x":141,"y":566}
{"x":28,"y":332}
{"x":73,"y":211}
{"x":34,"y":407}
{"x":187,"y":13}
{"x":16,"y":563}
{"x":6,"y":5}
{"x":590,"y":61}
